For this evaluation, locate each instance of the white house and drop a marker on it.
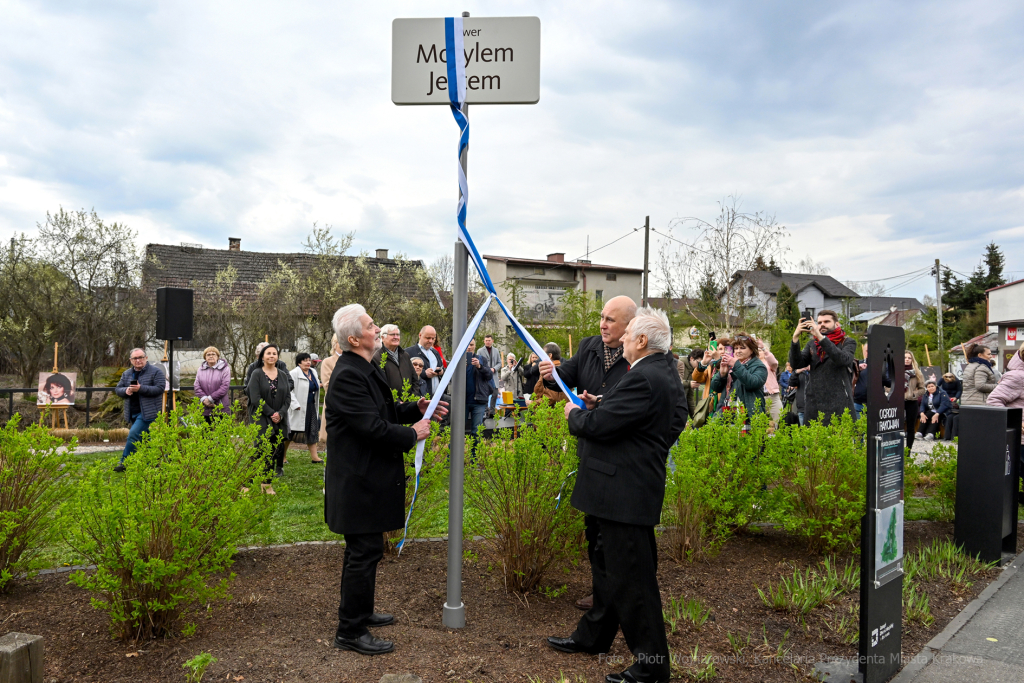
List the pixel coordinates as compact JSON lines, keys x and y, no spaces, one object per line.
{"x":751,"y":293}
{"x":1006,"y":313}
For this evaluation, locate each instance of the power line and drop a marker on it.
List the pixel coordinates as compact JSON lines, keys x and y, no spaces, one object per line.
{"x":607,"y":245}
{"x":894,"y":277}
{"x":685,"y":244}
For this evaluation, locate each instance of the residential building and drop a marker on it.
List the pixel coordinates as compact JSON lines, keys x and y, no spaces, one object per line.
{"x":1006,"y":314}
{"x":545,"y":282}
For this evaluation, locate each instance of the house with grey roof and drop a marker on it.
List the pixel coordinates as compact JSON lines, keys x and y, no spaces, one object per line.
{"x":750,"y":294}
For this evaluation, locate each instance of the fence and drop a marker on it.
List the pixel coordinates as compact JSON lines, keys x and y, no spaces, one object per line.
{"x":89,"y":391}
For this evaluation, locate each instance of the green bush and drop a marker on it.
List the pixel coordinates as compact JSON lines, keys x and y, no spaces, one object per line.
{"x":33,"y":485}
{"x":160,"y":532}
{"x":513,"y":488}
{"x":822,"y":484}
{"x":433,"y":484}
{"x":720,"y":483}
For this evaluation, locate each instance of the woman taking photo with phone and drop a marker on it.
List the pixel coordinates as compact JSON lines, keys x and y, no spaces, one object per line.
{"x":269,"y":393}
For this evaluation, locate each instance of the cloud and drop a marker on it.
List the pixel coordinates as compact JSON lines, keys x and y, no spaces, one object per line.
{"x":882,"y":134}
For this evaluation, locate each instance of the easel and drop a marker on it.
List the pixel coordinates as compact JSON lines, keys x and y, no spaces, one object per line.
{"x":54,"y":409}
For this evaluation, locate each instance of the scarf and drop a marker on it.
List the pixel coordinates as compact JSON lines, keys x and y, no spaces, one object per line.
{"x":611,"y":357}
{"x":836,"y":336}
{"x":979,"y":359}
{"x":392,"y":354}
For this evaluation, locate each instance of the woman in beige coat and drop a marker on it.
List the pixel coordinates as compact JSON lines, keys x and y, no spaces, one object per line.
{"x":980,"y":377}
{"x":912,"y":394}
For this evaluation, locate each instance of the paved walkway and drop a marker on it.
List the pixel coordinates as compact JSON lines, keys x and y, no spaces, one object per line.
{"x":984,"y":643}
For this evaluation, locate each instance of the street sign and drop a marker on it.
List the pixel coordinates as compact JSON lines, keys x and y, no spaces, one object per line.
{"x":501,"y":56}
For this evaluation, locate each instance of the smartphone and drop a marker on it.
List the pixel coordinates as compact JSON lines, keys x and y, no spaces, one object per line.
{"x":135,"y":383}
{"x":712,"y":341}
{"x":807,"y":314}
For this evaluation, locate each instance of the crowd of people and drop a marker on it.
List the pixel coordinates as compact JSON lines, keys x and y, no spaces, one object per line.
{"x":376,"y":395}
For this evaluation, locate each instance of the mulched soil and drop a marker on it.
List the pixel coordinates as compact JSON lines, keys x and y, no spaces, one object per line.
{"x":280,"y":624}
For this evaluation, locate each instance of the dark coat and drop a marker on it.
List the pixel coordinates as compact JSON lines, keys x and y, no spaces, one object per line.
{"x":531,"y":374}
{"x":624,"y":443}
{"x":152,"y":382}
{"x":258,"y":389}
{"x":415,"y":351}
{"x":478,"y":381}
{"x":585,"y":371}
{"x":257,"y":364}
{"x":364,"y":489}
{"x":829,"y":388}
{"x":397,"y":374}
{"x":684,"y":366}
{"x":943,"y":405}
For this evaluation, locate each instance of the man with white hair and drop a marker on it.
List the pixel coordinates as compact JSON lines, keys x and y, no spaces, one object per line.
{"x":624,"y":441}
{"x":364,"y":492}
{"x":394,"y":360}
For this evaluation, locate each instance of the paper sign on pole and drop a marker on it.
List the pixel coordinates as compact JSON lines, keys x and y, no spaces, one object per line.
{"x":501,"y":56}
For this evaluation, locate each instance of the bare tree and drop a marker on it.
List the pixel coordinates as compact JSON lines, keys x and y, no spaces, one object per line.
{"x":808,"y":265}
{"x":699,"y":262}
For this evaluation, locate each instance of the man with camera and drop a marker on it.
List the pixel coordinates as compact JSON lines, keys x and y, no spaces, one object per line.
{"x":830,"y":356}
{"x":141,"y":386}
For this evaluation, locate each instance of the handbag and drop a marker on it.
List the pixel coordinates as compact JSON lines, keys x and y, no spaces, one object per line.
{"x":705,"y":406}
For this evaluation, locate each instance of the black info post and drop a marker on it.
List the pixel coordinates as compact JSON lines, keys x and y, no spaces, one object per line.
{"x":988,"y":468}
{"x":881,"y":548}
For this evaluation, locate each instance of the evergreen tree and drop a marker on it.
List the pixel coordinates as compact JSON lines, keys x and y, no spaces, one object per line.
{"x":786,"y":307}
{"x":709,"y":293}
{"x":890,"y":547}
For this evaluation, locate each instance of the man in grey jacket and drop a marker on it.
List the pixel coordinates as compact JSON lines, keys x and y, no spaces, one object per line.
{"x":830,"y":357}
{"x":142,"y":388}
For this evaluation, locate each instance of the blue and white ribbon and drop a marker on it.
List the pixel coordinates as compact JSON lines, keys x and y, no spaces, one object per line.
{"x":446,"y":379}
{"x":453,"y":36}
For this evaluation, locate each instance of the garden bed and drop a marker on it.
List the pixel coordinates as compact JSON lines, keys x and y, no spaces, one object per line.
{"x":281,"y":621}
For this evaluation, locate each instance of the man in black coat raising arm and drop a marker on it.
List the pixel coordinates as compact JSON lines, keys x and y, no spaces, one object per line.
{"x":364,"y":493}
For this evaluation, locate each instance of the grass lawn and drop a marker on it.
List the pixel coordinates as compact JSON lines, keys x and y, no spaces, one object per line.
{"x":299,"y":514}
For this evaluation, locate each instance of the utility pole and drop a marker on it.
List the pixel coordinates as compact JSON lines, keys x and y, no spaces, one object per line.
{"x":938,"y":303}
{"x":647,"y":248}
{"x":453,"y":615}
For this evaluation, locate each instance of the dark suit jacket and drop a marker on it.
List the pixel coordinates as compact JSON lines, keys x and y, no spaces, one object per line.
{"x":624,"y":443}
{"x":585,"y":371}
{"x":415,"y":351}
{"x":364,"y":491}
{"x":397,"y":374}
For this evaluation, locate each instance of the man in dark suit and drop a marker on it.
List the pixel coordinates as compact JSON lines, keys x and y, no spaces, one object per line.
{"x":623,"y":445}
{"x":597,"y":367}
{"x":364,"y":492}
{"x":397,"y":366}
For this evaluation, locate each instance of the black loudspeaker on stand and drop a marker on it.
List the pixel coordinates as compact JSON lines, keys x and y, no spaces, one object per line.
{"x":174,"y":314}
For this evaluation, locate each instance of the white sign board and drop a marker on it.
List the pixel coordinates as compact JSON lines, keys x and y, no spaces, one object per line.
{"x":501,"y":56}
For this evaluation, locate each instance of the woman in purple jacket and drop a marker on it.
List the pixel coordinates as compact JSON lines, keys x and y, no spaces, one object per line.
{"x":212,"y":382}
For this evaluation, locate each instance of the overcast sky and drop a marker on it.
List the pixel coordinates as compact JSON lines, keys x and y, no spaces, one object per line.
{"x":883,"y":135}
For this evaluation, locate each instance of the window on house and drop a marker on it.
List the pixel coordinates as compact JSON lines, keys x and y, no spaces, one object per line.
{"x":750,"y":290}
{"x":538,"y":271}
{"x":610,"y":277}
{"x":599,"y":294}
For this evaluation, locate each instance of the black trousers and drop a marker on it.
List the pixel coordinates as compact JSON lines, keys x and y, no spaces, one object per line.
{"x":624,"y":564}
{"x":927,"y":426}
{"x":911,"y":409}
{"x":358,"y":582}
{"x":952,"y":427}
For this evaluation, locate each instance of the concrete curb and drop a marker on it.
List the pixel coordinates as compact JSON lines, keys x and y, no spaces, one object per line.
{"x":924,"y":658}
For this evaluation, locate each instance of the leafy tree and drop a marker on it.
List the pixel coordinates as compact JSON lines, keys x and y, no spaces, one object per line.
{"x":966,"y":299}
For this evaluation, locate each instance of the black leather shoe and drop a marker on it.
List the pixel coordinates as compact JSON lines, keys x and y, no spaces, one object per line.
{"x":568,"y":645}
{"x":366,"y":644}
{"x":119,"y":467}
{"x":279,"y":472}
{"x":380,"y":619}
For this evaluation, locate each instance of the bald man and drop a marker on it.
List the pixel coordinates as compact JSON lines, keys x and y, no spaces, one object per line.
{"x":597,"y":367}
{"x":433,"y":368}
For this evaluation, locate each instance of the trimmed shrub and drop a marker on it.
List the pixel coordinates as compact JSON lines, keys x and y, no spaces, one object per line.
{"x":823,"y":479}
{"x":33,"y":485}
{"x":938,"y":474}
{"x":433,"y":486}
{"x":160,"y":532}
{"x":720,"y":483}
{"x":520,"y":490}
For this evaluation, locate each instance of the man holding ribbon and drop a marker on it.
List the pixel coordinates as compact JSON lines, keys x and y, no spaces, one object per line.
{"x":597,"y":367}
{"x":364,"y":492}
{"x":624,"y":441}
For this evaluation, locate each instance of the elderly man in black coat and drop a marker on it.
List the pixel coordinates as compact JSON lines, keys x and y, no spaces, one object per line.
{"x":624,"y":441}
{"x":364,"y":493}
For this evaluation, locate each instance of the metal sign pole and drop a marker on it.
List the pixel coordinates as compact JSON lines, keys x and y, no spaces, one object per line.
{"x":454,"y":613}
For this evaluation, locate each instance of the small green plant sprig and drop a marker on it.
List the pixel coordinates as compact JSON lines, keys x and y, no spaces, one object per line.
{"x":685,"y":609}
{"x":196,"y":667}
{"x":34,"y":484}
{"x":163,"y":531}
{"x":816,"y":586}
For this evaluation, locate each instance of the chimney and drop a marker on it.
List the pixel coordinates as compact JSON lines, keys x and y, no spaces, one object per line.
{"x":557,"y":257}
{"x":382,"y":253}
{"x":234,"y":244}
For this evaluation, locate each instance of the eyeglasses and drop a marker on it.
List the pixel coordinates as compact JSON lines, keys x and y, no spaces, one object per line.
{"x":742,"y":337}
{"x":138,"y":358}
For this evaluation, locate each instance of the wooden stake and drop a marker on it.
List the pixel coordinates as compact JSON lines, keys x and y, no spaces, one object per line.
{"x":927,"y":355}
{"x":266,"y":338}
{"x":570,"y":346}
{"x":55,"y":356}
